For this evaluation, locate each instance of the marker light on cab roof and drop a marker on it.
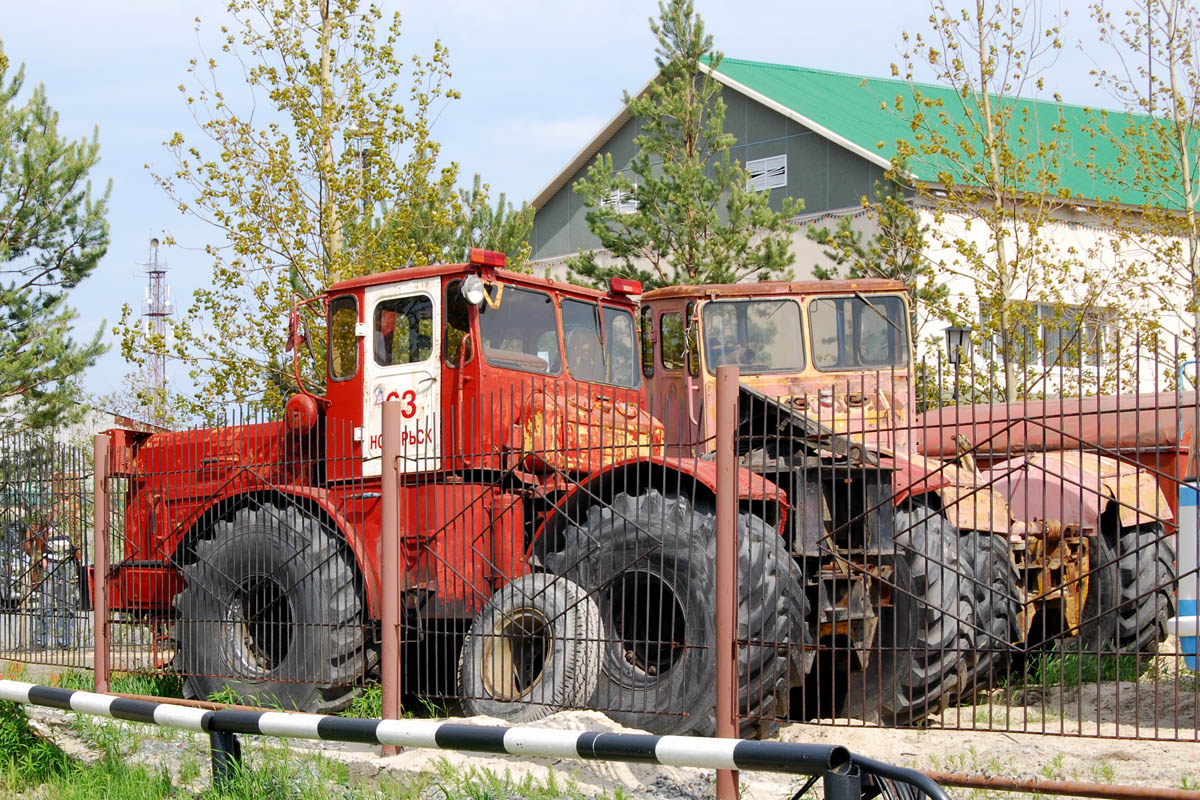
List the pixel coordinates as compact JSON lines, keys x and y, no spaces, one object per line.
{"x":624,"y":286}
{"x":486,"y":258}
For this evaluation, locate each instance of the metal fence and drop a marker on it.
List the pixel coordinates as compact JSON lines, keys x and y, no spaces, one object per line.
{"x":45,"y":517}
{"x":908,"y":550}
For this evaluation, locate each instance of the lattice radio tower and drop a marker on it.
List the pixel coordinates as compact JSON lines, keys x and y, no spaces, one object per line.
{"x":156,"y":309}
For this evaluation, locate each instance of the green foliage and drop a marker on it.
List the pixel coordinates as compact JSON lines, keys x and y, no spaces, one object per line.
{"x":998,"y":194}
{"x":692,"y":217}
{"x":1154,"y":72}
{"x":27,"y":758}
{"x":153,"y":684}
{"x":475,"y":223}
{"x":53,"y":235}
{"x":315,"y":163}
{"x":895,"y":251}
{"x":368,"y":704}
{"x":1069,"y":670}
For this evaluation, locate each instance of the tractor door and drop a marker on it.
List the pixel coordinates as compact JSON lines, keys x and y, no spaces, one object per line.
{"x":402,"y":364}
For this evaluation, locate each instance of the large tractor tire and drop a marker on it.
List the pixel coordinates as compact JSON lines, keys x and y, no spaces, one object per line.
{"x":926,"y":637}
{"x":533,"y":649}
{"x":1146,"y":570}
{"x":272,"y":611}
{"x":650,"y":562}
{"x":999,"y":601}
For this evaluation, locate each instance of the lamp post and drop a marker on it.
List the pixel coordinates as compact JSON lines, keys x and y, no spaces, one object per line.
{"x":958,"y":351}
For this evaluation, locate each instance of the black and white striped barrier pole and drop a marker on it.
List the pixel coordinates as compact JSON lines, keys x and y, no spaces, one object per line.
{"x":843,"y":774}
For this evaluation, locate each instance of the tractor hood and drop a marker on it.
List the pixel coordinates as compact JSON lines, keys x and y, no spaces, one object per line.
{"x":576,"y":432}
{"x":865,"y":408}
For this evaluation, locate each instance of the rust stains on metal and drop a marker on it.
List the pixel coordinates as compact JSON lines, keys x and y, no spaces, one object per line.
{"x":1110,"y":791}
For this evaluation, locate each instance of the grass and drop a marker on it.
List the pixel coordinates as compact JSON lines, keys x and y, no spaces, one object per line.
{"x":1070,"y":670}
{"x":154,"y":684}
{"x":25,"y":757}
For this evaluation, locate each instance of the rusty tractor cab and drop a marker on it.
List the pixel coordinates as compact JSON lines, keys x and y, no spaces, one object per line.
{"x":891,"y":545}
{"x":533,"y":486}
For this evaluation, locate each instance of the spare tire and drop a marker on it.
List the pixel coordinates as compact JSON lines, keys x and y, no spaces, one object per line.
{"x":926,"y":636}
{"x":533,"y":649}
{"x":650,"y":562}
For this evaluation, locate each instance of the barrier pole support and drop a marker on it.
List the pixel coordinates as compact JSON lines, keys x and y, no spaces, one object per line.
{"x":842,"y":783}
{"x":100,"y":571}
{"x":390,"y":572}
{"x":726,"y":712}
{"x":226,"y":758}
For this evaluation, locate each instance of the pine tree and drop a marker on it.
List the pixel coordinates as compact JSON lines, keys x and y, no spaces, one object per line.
{"x":687,"y":215}
{"x":895,"y":251}
{"x":53,"y":233}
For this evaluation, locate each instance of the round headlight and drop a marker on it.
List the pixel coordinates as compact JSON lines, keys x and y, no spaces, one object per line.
{"x":472,"y":290}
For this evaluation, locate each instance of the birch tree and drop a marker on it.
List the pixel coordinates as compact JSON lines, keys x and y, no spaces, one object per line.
{"x":314,"y":162}
{"x":1154,"y":73}
{"x":997,"y":192}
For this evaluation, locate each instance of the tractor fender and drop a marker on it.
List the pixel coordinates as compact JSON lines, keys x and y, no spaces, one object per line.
{"x":1076,"y":488}
{"x":316,"y":501}
{"x":967,"y":498}
{"x":690,"y":477}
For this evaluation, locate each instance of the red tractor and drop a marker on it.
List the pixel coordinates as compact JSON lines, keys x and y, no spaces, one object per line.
{"x":533,"y":488}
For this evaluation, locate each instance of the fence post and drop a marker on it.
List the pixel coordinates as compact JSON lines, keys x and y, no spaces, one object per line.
{"x":100,"y":571}
{"x":727,"y":727}
{"x":390,"y":569}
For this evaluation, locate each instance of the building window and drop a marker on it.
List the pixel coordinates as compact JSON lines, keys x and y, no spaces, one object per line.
{"x":1056,"y":335}
{"x":623,"y":202}
{"x":767,"y":173}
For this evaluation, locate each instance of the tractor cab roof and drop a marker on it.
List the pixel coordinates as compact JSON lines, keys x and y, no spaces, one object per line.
{"x":401,"y":276}
{"x":725,"y":291}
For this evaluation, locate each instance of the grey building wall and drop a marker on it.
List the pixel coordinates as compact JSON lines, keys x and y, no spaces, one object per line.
{"x":825,"y":175}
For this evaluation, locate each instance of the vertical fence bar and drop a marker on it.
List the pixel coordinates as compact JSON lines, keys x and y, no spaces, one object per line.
{"x":100,"y":569}
{"x":727,"y":657}
{"x":391,"y":568}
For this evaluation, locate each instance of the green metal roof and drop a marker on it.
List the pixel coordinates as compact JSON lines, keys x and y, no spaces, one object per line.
{"x":860,"y":113}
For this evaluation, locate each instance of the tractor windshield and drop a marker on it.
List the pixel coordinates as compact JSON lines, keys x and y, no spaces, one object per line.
{"x":757,"y":335}
{"x":859,"y":331}
{"x":520,"y":330}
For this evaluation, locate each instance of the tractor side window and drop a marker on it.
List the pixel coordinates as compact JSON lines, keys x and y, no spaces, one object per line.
{"x":648,"y":342}
{"x":519,"y":328}
{"x":458,"y":324}
{"x":670,"y":340}
{"x":403,"y":330}
{"x":343,"y":345}
{"x":581,"y":336}
{"x":620,"y":347}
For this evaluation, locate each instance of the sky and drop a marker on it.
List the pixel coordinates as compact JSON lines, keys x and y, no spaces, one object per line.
{"x":538,"y":80}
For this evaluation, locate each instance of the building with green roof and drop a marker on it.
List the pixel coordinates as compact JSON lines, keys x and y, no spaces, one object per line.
{"x":829,"y":137}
